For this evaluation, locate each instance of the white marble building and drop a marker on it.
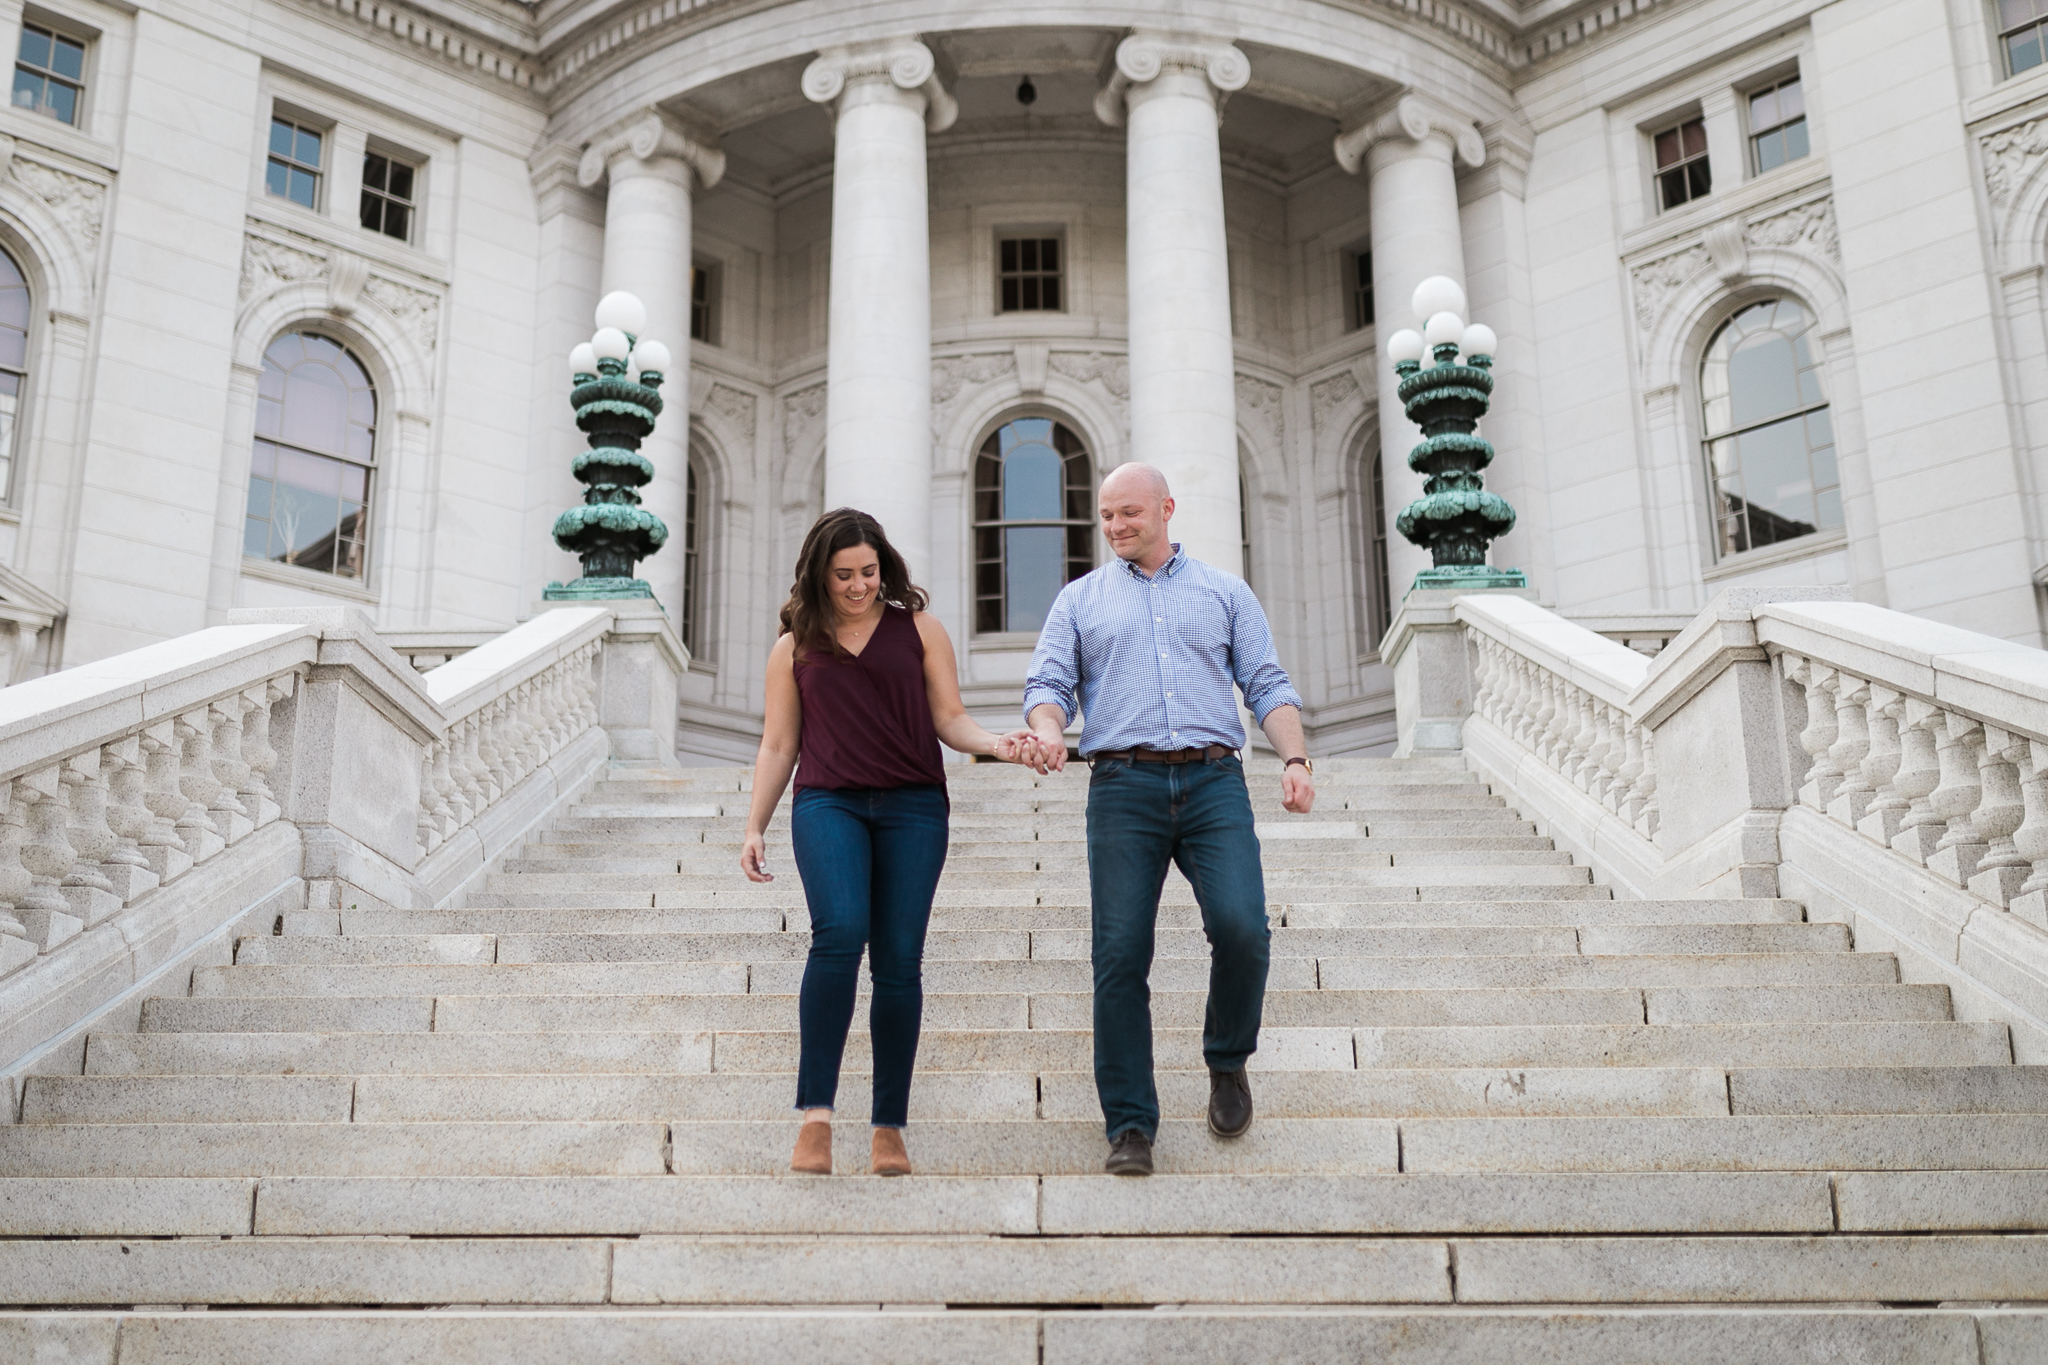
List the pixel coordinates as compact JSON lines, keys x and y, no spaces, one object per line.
{"x":288,"y":285}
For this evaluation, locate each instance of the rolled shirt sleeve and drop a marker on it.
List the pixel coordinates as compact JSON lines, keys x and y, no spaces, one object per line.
{"x":1254,"y":661}
{"x":1056,"y":662}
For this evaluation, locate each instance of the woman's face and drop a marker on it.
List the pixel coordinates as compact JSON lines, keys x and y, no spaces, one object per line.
{"x":854,"y":580}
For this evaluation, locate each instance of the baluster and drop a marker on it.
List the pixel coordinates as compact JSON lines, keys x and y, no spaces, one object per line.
{"x":1957,"y":796}
{"x":86,"y":888}
{"x":1852,"y":744}
{"x":2002,"y":868}
{"x":126,"y":867}
{"x":427,"y":825}
{"x":1485,"y":676}
{"x":1613,"y":786}
{"x":1628,"y":778}
{"x":168,"y":856}
{"x":586,"y":688}
{"x":1822,"y":776}
{"x":1592,"y":778}
{"x":48,"y":856}
{"x":257,"y":797}
{"x":2031,"y":838}
{"x":1544,"y":730}
{"x":1648,"y":821}
{"x":531,"y":750}
{"x":469,"y":769}
{"x":488,"y":737}
{"x":1920,"y":829}
{"x":1886,"y":807}
{"x":17,"y":950}
{"x":203,"y":838}
{"x":229,"y":770}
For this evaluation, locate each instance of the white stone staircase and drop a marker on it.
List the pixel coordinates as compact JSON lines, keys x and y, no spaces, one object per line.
{"x":1501,"y":1117}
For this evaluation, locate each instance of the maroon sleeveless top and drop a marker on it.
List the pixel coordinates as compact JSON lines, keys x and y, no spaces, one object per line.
{"x":867,"y":720}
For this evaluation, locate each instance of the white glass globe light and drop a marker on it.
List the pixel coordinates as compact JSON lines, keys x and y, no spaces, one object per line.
{"x":1438,"y":294}
{"x":583,"y":359}
{"x":1443,"y":329}
{"x":651,"y":355}
{"x":1478,"y":340}
{"x":1405,"y":344}
{"x":610,"y":344}
{"x":623,"y":311}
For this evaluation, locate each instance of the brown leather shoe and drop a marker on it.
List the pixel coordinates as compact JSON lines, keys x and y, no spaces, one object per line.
{"x":813,"y":1150}
{"x":890,"y":1157}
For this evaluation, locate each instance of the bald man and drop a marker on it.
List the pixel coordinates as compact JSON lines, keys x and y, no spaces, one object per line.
{"x":1149,"y":648}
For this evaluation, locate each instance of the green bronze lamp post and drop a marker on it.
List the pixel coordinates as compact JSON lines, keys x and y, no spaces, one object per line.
{"x":616,"y":376}
{"x":1456,"y":517}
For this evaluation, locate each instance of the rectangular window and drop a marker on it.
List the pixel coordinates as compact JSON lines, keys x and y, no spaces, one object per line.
{"x":1682,"y":173}
{"x":1358,"y":288}
{"x":294,"y":169}
{"x":49,"y":74}
{"x":387,"y":205}
{"x":1777,"y":125}
{"x":1028,"y":278}
{"x":2023,"y":34}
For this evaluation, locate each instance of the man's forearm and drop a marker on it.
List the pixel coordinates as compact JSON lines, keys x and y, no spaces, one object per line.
{"x":1047,"y":721}
{"x":1283,"y":728}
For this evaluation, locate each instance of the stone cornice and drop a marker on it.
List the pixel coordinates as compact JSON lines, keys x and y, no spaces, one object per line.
{"x":648,"y":134}
{"x":1412,"y":116}
{"x":903,"y":62}
{"x":425,"y":29}
{"x":1147,"y":52}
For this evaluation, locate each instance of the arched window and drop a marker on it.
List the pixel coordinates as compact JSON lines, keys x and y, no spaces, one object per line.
{"x":1244,"y":526}
{"x":14,"y":315}
{"x":1770,"y":448}
{"x":309,"y":475}
{"x":1375,"y":604}
{"x":1033,"y":526}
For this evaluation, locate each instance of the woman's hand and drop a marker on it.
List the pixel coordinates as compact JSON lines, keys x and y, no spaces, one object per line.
{"x":754,"y":858}
{"x":1018,"y":746}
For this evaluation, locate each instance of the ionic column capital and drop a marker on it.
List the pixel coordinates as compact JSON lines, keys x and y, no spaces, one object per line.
{"x":905,"y":63}
{"x":1147,"y":53}
{"x":1414,"y":117}
{"x":649,"y":135}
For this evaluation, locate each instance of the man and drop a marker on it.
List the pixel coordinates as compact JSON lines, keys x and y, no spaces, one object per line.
{"x":1150,"y":646}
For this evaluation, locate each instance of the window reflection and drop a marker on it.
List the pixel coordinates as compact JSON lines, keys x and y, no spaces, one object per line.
{"x":309,"y":473}
{"x":1033,"y":524}
{"x":1770,"y":445}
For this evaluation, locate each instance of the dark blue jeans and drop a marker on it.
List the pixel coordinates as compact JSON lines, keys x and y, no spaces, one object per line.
{"x":1198,"y":816}
{"x":870,"y":858}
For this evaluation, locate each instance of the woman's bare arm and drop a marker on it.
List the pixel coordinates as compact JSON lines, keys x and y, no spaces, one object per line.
{"x":781,"y":730}
{"x":959,"y":730}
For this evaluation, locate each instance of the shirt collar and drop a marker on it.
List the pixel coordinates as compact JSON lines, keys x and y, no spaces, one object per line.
{"x":1166,"y":570}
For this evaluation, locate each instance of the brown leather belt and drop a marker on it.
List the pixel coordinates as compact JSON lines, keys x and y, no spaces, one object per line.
{"x":1163,"y":755}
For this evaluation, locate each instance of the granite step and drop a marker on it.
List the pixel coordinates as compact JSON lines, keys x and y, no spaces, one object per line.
{"x":188,"y":1150}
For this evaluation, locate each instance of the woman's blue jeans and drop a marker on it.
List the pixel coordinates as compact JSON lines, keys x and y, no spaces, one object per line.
{"x":1141,"y":816}
{"x":870,"y":858}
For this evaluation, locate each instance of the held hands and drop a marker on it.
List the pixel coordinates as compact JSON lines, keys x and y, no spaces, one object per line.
{"x":1297,"y":790}
{"x":754,"y":858}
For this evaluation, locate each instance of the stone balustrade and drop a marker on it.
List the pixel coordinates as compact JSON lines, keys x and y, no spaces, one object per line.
{"x":1887,"y":771}
{"x":265,"y":775}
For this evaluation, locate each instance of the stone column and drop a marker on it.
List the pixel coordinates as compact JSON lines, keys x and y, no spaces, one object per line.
{"x":653,"y":165}
{"x":1168,"y":89}
{"x":884,"y":97}
{"x":1406,"y":152}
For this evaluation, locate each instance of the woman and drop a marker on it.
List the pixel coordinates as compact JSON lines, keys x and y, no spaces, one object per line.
{"x":863,"y":685}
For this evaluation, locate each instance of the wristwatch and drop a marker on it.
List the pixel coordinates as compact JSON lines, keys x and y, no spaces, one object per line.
{"x":1306,"y":766}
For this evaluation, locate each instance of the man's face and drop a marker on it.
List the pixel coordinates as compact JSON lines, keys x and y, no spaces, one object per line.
{"x":1134,"y":518}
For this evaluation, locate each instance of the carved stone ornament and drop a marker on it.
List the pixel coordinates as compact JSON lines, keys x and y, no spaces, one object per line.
{"x":1327,"y":396}
{"x":1726,"y":248}
{"x":1656,"y":281}
{"x":1258,"y":402}
{"x":734,"y":409}
{"x":1413,"y":117}
{"x":268,"y":264}
{"x":1112,"y":372}
{"x":954,"y":374}
{"x":1146,"y":53}
{"x":647,"y":135}
{"x":1810,"y":225}
{"x":79,"y":204}
{"x":2010,"y":156}
{"x":904,"y":62}
{"x":802,"y":413}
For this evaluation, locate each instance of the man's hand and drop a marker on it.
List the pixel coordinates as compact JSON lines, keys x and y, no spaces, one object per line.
{"x":1049,"y":725}
{"x":1297,"y":790}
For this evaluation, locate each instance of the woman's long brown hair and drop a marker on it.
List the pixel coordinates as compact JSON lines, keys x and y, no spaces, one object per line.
{"x":807,"y":615}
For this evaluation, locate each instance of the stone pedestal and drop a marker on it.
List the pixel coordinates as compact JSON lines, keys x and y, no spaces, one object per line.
{"x":638,"y":671}
{"x":1426,"y":648}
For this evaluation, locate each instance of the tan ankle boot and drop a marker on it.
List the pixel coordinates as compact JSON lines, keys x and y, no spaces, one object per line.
{"x":813,"y":1150}
{"x":890,"y":1158}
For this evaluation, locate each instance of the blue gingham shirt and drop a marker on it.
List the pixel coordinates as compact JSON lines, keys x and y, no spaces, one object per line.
{"x":1151,"y":661}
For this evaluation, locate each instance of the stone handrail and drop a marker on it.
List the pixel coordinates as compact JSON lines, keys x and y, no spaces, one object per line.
{"x":427,"y":650}
{"x":1889,"y":772}
{"x":510,"y":706}
{"x":120,"y":776}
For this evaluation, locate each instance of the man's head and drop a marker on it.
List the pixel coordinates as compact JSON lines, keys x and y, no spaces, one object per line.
{"x":1135,"y":505}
